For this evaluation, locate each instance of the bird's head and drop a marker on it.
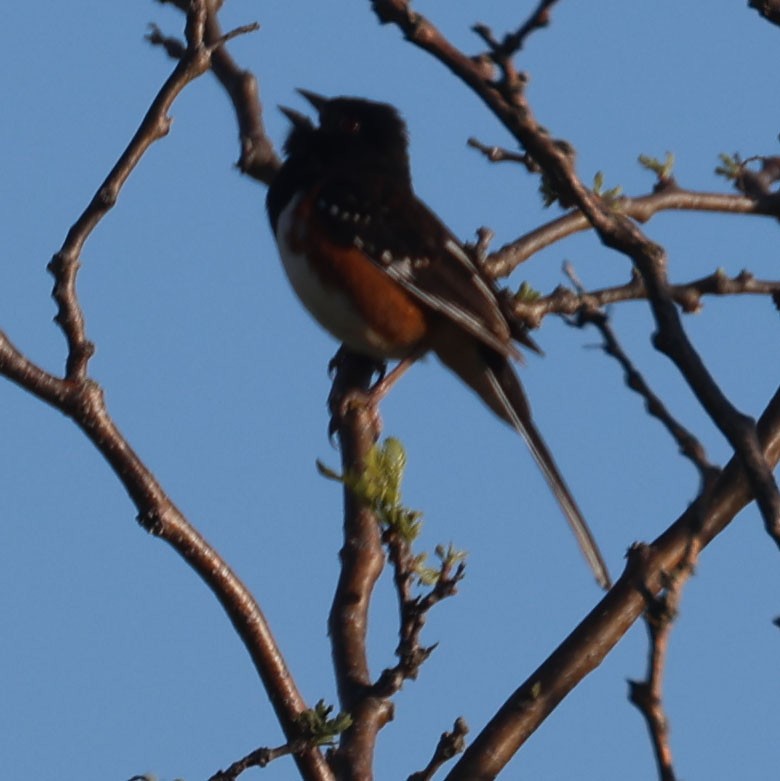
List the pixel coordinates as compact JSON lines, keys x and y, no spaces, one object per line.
{"x":348,"y":128}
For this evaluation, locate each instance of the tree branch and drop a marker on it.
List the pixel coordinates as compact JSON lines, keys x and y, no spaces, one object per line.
{"x":590,"y":642}
{"x":501,"y":262}
{"x":647,"y":695}
{"x":362,"y":561}
{"x":506,"y":99}
{"x":688,"y":444}
{"x":687,"y":295}
{"x":82,"y":399}
{"x":258,"y":158}
{"x":450,"y":744}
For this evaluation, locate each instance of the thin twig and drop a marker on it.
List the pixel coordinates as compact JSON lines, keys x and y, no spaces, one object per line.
{"x":505,"y":97}
{"x":82,"y":399}
{"x":642,"y":208}
{"x":688,"y":444}
{"x":590,"y":642}
{"x":260,"y":757}
{"x":450,"y":744}
{"x":647,"y":695}
{"x":413,"y":610}
{"x":687,"y":295}
{"x":258,"y":158}
{"x":496,"y":154}
{"x":616,"y":230}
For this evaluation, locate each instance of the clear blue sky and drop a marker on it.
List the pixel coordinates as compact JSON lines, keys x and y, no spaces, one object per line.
{"x":115,"y":659}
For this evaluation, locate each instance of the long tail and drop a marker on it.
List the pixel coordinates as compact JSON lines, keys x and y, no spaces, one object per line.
{"x":491,"y":375}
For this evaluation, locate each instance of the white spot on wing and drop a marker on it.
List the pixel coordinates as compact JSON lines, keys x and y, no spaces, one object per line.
{"x":329,"y":307}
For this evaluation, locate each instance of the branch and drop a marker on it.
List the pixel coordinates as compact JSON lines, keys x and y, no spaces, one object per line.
{"x":506,"y":99}
{"x":688,"y":444}
{"x":647,"y":695}
{"x":258,"y":158}
{"x":496,"y":154}
{"x":501,"y":262}
{"x":687,"y":295}
{"x":450,"y":744}
{"x":362,"y":560}
{"x":82,"y":399}
{"x":590,"y":642}
{"x":413,"y":609}
{"x":155,"y":125}
{"x":316,"y":727}
{"x":260,"y":757}
{"x":514,"y":42}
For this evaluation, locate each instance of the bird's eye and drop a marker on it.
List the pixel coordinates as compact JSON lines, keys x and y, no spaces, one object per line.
{"x":350,"y":125}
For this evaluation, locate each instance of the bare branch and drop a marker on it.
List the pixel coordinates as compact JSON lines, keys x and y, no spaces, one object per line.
{"x":507,"y":101}
{"x":413,"y":609}
{"x":450,"y":744}
{"x":688,"y":295}
{"x":195,"y":60}
{"x":643,"y":208}
{"x":495,"y":154}
{"x":513,"y":42}
{"x":260,"y":757}
{"x":688,"y":444}
{"x":82,"y":399}
{"x":362,"y":561}
{"x":647,"y":695}
{"x":258,"y":158}
{"x":315,"y":727}
{"x":587,"y":646}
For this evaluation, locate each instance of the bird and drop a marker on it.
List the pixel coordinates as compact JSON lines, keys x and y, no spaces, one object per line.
{"x":383,"y":274}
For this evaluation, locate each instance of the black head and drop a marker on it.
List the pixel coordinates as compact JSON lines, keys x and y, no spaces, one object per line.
{"x":349,"y":130}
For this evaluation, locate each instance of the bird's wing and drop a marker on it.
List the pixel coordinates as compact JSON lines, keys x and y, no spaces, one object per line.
{"x":411,"y":244}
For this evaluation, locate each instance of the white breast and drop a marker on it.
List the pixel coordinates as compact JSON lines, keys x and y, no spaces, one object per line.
{"x":329,"y":307}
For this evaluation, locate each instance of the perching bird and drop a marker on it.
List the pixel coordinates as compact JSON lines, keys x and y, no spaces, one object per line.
{"x":379,"y":270}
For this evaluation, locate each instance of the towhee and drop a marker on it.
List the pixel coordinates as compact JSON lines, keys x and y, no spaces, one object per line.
{"x":381,"y":272}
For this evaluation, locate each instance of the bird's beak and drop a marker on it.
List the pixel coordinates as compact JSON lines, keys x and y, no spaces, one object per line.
{"x":298,"y":119}
{"x":318,"y":101}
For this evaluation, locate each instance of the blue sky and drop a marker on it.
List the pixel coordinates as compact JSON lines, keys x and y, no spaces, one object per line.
{"x":116,"y":659}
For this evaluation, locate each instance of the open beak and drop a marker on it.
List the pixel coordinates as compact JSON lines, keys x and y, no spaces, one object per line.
{"x":318,"y":101}
{"x":298,"y":119}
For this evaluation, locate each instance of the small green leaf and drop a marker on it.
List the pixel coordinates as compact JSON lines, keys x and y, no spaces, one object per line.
{"x":662,"y":169}
{"x":526,"y":294}
{"x":598,"y":187}
{"x":315,"y":726}
{"x":730,"y":167}
{"x":379,"y":486}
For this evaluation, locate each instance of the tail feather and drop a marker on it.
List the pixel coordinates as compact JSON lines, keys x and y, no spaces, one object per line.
{"x":491,"y":375}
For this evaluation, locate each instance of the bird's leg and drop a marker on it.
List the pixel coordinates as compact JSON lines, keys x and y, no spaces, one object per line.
{"x":352,"y":375}
{"x":382,"y":386}
{"x":345,"y":394}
